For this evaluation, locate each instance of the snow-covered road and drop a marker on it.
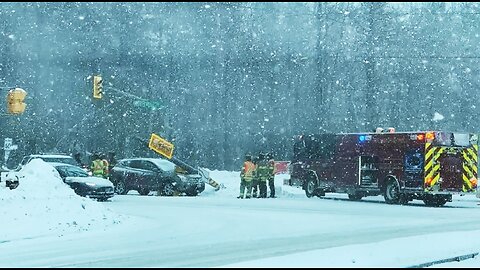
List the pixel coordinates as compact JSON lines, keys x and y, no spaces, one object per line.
{"x":216,"y":229}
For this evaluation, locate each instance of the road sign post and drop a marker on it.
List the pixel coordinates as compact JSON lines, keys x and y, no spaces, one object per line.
{"x":8,"y":146}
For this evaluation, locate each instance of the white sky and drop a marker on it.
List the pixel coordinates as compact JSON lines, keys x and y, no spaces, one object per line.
{"x":45,"y":224}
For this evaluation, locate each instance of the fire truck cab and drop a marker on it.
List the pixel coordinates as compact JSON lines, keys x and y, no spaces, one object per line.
{"x":429,"y":166}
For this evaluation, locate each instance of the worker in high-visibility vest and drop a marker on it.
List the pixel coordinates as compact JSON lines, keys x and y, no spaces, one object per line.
{"x":98,"y":166}
{"x":246,"y":177}
{"x":262,"y":174}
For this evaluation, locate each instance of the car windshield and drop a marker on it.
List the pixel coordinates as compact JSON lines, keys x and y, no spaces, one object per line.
{"x":71,"y":171}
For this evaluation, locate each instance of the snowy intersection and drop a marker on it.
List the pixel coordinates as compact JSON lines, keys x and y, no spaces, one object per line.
{"x":217,"y":230}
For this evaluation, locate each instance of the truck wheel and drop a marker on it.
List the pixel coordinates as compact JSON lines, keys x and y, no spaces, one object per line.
{"x":392,"y":193}
{"x":310,"y":188}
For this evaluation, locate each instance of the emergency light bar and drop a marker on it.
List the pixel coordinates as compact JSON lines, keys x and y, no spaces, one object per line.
{"x":363,"y":138}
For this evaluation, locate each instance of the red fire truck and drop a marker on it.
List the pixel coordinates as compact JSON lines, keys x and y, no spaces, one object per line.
{"x":429,"y":166}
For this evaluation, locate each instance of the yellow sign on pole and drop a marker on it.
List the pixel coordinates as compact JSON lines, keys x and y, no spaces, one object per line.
{"x":161,"y":146}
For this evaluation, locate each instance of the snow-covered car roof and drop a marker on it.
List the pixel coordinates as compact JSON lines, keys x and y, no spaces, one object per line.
{"x":50,"y":156}
{"x":163,"y":164}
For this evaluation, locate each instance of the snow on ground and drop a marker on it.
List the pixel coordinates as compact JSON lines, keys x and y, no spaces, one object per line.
{"x":55,"y":210}
{"x":43,"y":199}
{"x":425,"y":248}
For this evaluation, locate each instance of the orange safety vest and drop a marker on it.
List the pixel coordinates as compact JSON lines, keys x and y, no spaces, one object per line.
{"x":248,"y":169}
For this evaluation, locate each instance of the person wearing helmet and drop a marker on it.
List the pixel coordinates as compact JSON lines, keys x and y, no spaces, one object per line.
{"x":261,"y":174}
{"x":98,"y":166}
{"x":246,"y":177}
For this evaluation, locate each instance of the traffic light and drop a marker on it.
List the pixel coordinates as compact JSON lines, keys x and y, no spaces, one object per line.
{"x":97,"y":86}
{"x":15,"y":98}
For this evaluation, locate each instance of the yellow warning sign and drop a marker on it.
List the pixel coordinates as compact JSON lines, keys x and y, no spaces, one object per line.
{"x":161,"y":146}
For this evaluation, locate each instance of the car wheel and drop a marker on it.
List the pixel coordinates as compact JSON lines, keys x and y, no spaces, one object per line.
{"x":167,"y":190}
{"x":120,"y":188}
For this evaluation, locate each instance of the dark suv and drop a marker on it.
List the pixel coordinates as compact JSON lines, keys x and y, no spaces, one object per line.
{"x":153,"y":174}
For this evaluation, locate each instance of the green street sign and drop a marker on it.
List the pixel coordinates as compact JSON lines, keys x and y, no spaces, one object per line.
{"x":147,"y":104}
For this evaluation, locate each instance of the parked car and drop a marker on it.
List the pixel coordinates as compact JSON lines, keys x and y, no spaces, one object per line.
{"x":153,"y":174}
{"x":84,"y":184}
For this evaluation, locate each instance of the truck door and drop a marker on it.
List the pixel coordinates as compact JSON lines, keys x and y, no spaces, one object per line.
{"x":451,"y":170}
{"x":445,"y":169}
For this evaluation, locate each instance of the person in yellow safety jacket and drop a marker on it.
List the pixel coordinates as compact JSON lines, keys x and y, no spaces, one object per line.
{"x":246,"y":176}
{"x":97,"y":167}
{"x":255,"y":180}
{"x":262,"y":175}
{"x":271,"y":174}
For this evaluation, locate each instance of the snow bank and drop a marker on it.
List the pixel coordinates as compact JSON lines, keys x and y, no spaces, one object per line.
{"x":43,"y":205}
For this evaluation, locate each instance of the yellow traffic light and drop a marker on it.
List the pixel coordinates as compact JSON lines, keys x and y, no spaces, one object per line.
{"x":97,"y":87}
{"x":15,"y":101}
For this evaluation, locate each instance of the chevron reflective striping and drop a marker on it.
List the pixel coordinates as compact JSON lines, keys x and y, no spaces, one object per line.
{"x":473,"y":154}
{"x":428,"y":151}
{"x":428,"y":162}
{"x":436,"y":174}
{"x":469,"y":167}
{"x":431,"y":170}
